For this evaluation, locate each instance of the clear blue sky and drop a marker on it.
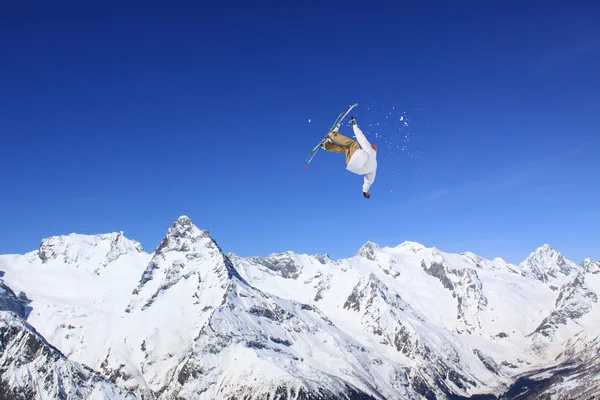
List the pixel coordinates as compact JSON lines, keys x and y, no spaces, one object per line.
{"x":125,"y":115}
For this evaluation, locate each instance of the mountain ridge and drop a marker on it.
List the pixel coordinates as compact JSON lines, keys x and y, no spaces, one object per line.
{"x":420,"y":308}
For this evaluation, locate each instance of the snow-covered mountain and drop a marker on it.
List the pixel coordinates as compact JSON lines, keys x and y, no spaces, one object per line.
{"x":547,"y":265}
{"x":189,"y":321}
{"x":86,"y":250}
{"x":32,"y":368}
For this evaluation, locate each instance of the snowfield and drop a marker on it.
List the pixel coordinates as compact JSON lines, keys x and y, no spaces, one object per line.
{"x":190,"y":321}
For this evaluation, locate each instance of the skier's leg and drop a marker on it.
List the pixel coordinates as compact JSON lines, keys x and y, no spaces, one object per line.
{"x":343,"y":140}
{"x":346,"y":145}
{"x":335,"y":148}
{"x":350,"y":151}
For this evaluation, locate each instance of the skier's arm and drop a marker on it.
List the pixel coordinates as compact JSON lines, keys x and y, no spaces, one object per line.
{"x":368,"y":181}
{"x":361,"y":138}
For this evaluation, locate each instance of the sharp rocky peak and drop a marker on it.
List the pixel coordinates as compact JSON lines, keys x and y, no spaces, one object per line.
{"x":590,"y":267}
{"x":324,"y":258}
{"x":546,"y":263}
{"x":186,"y":255}
{"x":547,"y":249}
{"x":182,"y":236}
{"x":368,"y":251}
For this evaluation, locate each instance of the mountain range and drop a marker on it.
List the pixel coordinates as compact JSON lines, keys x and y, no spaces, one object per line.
{"x":99,"y":317}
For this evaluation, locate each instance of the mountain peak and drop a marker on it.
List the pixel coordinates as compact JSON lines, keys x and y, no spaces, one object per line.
{"x":187,"y":257}
{"x":368,"y":250}
{"x":411,"y":246}
{"x":183,"y":223}
{"x":323,"y":258}
{"x":546,"y":249}
{"x":74,"y":248}
{"x":546,"y":262}
{"x":184,"y":219}
{"x":546,"y":252}
{"x":181,"y":236}
{"x":589,"y":266}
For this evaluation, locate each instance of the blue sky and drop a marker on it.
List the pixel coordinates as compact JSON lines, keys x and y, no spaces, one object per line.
{"x":125,"y":116}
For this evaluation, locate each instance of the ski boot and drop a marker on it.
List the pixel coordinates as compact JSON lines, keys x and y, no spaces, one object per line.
{"x":329,"y":139}
{"x":325,"y":141}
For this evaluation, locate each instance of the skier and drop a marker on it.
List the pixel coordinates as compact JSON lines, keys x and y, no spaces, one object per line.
{"x":361,"y":156}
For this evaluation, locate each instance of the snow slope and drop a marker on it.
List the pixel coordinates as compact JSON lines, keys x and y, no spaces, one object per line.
{"x":76,"y":288}
{"x":489,"y":304}
{"x":31,"y":368}
{"x":400,"y":322}
{"x":493,"y":308}
{"x":574,"y":375}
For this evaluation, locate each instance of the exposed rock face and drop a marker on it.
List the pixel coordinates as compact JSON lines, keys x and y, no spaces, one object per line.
{"x":368,"y":251}
{"x":282,"y":264}
{"x":466,"y":287}
{"x":547,"y":264}
{"x":575,"y":375}
{"x":10,"y":302}
{"x":30,"y":368}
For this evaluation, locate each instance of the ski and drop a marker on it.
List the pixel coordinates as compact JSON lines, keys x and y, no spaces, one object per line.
{"x":337,"y":123}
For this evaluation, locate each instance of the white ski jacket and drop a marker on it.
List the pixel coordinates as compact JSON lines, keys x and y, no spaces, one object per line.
{"x":364,"y":160}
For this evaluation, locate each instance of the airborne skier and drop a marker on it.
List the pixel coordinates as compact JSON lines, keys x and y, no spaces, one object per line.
{"x":361,"y":156}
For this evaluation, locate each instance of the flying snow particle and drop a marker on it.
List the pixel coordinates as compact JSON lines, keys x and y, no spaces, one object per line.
{"x":309,"y":120}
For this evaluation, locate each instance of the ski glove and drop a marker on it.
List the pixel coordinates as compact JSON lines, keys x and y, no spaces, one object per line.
{"x":367,"y":195}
